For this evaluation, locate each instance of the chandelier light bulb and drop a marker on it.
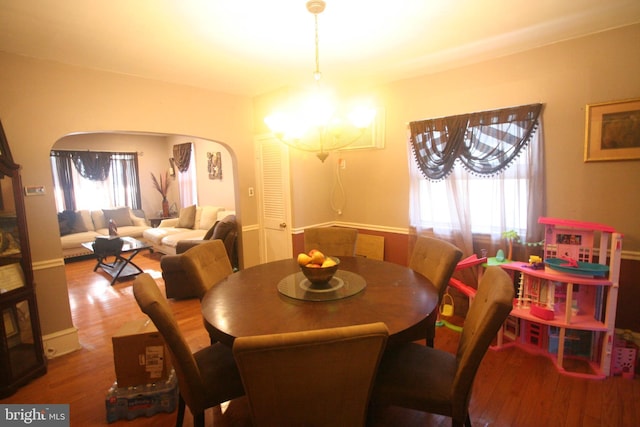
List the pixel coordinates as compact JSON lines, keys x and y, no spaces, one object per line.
{"x":362,"y":117}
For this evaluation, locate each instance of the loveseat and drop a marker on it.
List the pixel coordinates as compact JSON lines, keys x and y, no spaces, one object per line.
{"x":77,"y":227}
{"x":193,"y":223}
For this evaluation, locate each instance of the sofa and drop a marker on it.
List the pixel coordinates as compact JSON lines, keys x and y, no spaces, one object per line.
{"x":77,"y":227}
{"x":193,"y":223}
{"x":177,"y":284}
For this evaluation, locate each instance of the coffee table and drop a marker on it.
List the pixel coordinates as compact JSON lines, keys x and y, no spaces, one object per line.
{"x":122,"y":266}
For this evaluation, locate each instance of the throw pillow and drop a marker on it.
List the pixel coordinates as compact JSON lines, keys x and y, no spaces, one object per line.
{"x":83,"y":217}
{"x":120,"y":216}
{"x":187,"y":218}
{"x":66,"y":220}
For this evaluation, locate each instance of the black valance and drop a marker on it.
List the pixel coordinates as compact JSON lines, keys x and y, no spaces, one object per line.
{"x":92,"y":165}
{"x":485,"y":142}
{"x":182,"y":156}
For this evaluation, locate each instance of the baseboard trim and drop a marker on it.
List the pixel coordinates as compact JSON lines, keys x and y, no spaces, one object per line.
{"x":46,"y":264}
{"x":61,"y":342}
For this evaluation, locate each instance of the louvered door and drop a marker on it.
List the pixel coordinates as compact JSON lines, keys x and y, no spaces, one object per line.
{"x":274,"y":197}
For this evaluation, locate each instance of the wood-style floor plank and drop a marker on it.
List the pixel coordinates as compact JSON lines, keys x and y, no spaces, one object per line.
{"x":512,"y":388}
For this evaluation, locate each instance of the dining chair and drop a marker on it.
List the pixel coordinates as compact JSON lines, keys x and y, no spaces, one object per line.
{"x":334,"y":241}
{"x":436,"y":260}
{"x":311,"y":378}
{"x":422,"y":378}
{"x":205,"y":378}
{"x":205,"y":265}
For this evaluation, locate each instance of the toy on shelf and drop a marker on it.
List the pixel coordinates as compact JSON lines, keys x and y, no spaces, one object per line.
{"x":571,"y":266}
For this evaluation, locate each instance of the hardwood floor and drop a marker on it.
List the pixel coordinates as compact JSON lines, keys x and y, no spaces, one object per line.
{"x":513,"y":388}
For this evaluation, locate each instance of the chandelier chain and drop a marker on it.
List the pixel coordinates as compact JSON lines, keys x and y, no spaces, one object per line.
{"x":317,"y":73}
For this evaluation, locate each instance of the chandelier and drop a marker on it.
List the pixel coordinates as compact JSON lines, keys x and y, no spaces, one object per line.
{"x":313,"y":123}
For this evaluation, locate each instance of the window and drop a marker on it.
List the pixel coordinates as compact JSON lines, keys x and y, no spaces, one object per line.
{"x":478,"y":174}
{"x":95,"y":180}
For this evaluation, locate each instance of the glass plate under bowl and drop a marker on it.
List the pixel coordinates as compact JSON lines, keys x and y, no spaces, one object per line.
{"x":342,"y":285}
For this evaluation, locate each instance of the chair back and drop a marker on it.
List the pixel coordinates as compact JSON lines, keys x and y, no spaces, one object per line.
{"x":487,"y":312}
{"x":206,"y":264}
{"x":334,"y":241}
{"x":321,"y":377}
{"x":436,"y":260}
{"x":226,"y":230}
{"x":153,"y":304}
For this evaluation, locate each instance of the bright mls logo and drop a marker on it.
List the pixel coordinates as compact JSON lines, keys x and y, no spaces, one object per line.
{"x":37,"y":415}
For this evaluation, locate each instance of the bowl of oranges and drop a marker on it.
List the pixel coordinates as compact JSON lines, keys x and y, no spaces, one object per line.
{"x":317,"y":267}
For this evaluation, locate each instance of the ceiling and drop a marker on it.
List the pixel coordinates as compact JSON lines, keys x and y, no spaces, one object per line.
{"x":249,"y":47}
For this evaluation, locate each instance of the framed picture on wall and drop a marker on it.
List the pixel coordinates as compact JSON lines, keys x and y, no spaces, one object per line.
{"x":373,"y":136}
{"x":612,"y":131}
{"x":214,"y":165}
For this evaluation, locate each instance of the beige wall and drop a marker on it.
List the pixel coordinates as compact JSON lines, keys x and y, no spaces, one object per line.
{"x":564,"y":77}
{"x":44,"y":101}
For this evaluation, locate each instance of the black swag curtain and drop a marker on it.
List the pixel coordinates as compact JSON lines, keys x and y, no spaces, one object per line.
{"x":92,"y":165}
{"x":484,"y":142}
{"x":182,"y":156}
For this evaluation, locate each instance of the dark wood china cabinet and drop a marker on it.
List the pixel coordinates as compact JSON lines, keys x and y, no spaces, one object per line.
{"x":21,"y":350}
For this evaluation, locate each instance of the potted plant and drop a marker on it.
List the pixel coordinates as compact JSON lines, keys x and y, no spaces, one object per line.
{"x":163,"y":187}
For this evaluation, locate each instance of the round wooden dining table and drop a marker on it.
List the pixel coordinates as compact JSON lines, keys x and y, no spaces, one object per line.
{"x":253,"y":301}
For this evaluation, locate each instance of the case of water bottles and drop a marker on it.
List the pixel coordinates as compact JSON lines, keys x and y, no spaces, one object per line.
{"x":142,"y":400}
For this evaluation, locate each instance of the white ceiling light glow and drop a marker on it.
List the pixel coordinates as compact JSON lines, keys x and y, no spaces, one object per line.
{"x":314,"y":122}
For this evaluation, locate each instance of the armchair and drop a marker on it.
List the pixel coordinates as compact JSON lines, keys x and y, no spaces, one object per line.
{"x":176,"y":284}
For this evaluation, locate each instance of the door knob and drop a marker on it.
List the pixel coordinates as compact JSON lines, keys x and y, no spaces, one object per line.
{"x":283,"y":225}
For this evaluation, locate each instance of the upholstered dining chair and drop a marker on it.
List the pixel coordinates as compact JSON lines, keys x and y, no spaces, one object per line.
{"x":334,"y":241}
{"x":311,"y":378}
{"x":426,"y":379}
{"x":436,"y":260}
{"x":205,"y":378}
{"x":205,"y":265}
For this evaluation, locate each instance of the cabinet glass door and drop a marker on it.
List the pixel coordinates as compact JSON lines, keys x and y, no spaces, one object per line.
{"x":20,"y":342}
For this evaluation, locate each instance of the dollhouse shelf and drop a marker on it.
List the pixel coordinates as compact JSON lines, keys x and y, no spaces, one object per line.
{"x":569,"y":318}
{"x":574,"y":317}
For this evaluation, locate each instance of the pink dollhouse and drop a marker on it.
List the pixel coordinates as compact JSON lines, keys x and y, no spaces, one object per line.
{"x":566,"y":310}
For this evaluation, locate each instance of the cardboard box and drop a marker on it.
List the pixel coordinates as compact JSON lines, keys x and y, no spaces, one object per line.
{"x":144,"y":400}
{"x":140,"y":355}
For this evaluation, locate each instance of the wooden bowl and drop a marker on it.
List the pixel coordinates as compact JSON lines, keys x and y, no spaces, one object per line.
{"x":320,"y":274}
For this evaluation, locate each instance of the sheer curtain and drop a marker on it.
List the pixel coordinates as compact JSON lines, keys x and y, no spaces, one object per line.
{"x":478,"y":174}
{"x":187,"y":183}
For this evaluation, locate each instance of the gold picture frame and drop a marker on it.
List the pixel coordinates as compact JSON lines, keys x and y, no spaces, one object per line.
{"x":612,"y":131}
